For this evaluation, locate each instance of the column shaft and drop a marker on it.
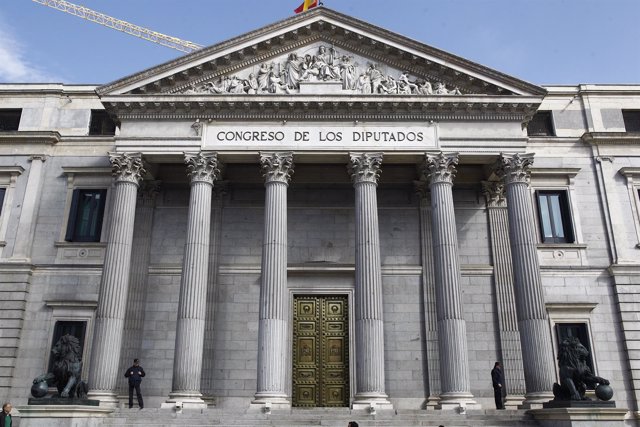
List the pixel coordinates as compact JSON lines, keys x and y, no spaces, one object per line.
{"x":26,"y":224}
{"x":535,"y":336}
{"x":112,"y":300}
{"x":511,"y":350}
{"x":429,"y":295}
{"x":134,"y":318}
{"x":370,"y":375}
{"x":452,"y":333}
{"x":273,"y":328}
{"x":187,"y":363}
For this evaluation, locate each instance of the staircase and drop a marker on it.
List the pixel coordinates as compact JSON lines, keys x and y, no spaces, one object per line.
{"x":334,"y":417}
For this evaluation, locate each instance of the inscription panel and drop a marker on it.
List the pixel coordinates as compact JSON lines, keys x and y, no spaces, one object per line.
{"x":319,"y":136}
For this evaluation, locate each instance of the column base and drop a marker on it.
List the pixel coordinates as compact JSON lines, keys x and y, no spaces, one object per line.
{"x":535,"y":400}
{"x":371,"y":402}
{"x":184,"y":400}
{"x":108,"y":399}
{"x":432,"y":402}
{"x":265,"y":402}
{"x":457,"y":402}
{"x":513,"y":402}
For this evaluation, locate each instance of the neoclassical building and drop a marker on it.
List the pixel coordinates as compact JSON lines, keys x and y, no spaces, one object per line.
{"x":320,"y":213}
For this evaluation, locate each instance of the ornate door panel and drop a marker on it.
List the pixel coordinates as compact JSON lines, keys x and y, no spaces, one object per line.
{"x":320,"y":351}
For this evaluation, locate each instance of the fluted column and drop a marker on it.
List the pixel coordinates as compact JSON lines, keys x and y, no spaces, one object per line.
{"x":273,"y":326}
{"x":535,"y":336}
{"x":187,"y":362}
{"x":364,"y":169}
{"x":112,"y":300}
{"x":429,"y":295}
{"x":440,"y":170}
{"x":134,"y":318}
{"x":220,"y":192}
{"x":511,"y":350}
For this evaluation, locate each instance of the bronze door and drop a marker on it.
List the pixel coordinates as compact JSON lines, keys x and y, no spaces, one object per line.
{"x":320,"y":351}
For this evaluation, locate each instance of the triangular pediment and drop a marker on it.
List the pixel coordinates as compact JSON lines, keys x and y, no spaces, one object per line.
{"x":319,"y":53}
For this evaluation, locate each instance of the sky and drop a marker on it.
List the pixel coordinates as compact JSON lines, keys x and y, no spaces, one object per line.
{"x":540,"y":41}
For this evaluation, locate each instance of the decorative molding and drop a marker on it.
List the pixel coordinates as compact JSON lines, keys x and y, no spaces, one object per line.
{"x":611,"y":138}
{"x":71,"y":304}
{"x":494,"y":193}
{"x":440,"y":168}
{"x":277,"y":167}
{"x":202,"y":166}
{"x":571,"y":307}
{"x":127,"y":167}
{"x":514,"y":168}
{"x":364,"y":167}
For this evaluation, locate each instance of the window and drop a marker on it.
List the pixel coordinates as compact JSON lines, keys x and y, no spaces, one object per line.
{"x":575,"y":330}
{"x":101,"y":124}
{"x":541,"y":124}
{"x":555,"y":218}
{"x":10,"y":119}
{"x":2,"y":192}
{"x":62,"y":328}
{"x":85,"y":216}
{"x":631,"y":120}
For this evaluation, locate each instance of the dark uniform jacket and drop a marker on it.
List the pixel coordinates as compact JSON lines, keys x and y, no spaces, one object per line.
{"x":135,"y":374}
{"x":497,"y":376}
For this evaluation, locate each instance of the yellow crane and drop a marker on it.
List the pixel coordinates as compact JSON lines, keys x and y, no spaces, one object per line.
{"x":120,"y":25}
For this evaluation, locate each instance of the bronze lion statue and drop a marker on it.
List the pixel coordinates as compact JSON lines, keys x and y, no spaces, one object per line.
{"x":575,"y":375}
{"x":67,"y":368}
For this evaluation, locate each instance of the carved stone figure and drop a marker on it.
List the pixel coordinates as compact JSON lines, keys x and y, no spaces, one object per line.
{"x":575,"y":375}
{"x":67,"y":368}
{"x":327,"y":65}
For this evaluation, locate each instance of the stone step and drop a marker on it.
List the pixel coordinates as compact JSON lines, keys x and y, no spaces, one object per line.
{"x":317,"y":417}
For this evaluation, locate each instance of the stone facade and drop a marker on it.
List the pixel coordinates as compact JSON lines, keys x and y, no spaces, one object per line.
{"x":411,"y":206}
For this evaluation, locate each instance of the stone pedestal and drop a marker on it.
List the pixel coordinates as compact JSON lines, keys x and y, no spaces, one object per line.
{"x":585,"y":416}
{"x":62,"y":415}
{"x":273,"y":326}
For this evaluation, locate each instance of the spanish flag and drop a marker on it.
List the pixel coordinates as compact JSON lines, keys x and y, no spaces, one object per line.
{"x":306,"y":5}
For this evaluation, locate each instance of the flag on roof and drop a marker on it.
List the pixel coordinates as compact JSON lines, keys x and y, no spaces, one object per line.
{"x":306,"y":5}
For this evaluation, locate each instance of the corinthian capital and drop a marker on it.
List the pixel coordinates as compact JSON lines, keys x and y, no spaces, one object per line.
{"x":202,"y":167}
{"x":277,"y":167}
{"x":440,"y":167}
{"x":365,"y":167}
{"x":494,"y":193}
{"x":127,"y":167}
{"x":514,"y":168}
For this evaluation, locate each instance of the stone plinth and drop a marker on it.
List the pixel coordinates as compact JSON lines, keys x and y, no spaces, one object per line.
{"x":585,"y":416}
{"x":56,"y":415}
{"x":60,"y":401}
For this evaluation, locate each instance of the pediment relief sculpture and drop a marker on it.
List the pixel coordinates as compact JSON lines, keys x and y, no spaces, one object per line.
{"x":320,"y":64}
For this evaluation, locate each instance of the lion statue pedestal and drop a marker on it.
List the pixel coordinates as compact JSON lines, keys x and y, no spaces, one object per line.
{"x":67,"y":369}
{"x":570,"y":406}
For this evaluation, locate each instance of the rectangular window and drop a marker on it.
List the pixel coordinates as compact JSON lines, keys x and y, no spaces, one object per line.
{"x":555,"y":217}
{"x":85,"y":216}
{"x":101,"y":124}
{"x":575,"y":330}
{"x":2,"y":193}
{"x":10,"y":119}
{"x":62,"y":328}
{"x":541,"y":124}
{"x":631,"y":120}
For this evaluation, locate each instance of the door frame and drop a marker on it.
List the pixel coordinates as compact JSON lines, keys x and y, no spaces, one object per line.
{"x":295,"y":291}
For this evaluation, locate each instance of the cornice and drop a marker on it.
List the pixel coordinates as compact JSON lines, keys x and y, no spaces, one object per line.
{"x":334,"y":107}
{"x":322,"y":23}
{"x":611,"y":138}
{"x":30,"y":137}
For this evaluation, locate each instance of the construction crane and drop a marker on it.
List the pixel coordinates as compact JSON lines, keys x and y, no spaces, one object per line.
{"x":117,"y":24}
